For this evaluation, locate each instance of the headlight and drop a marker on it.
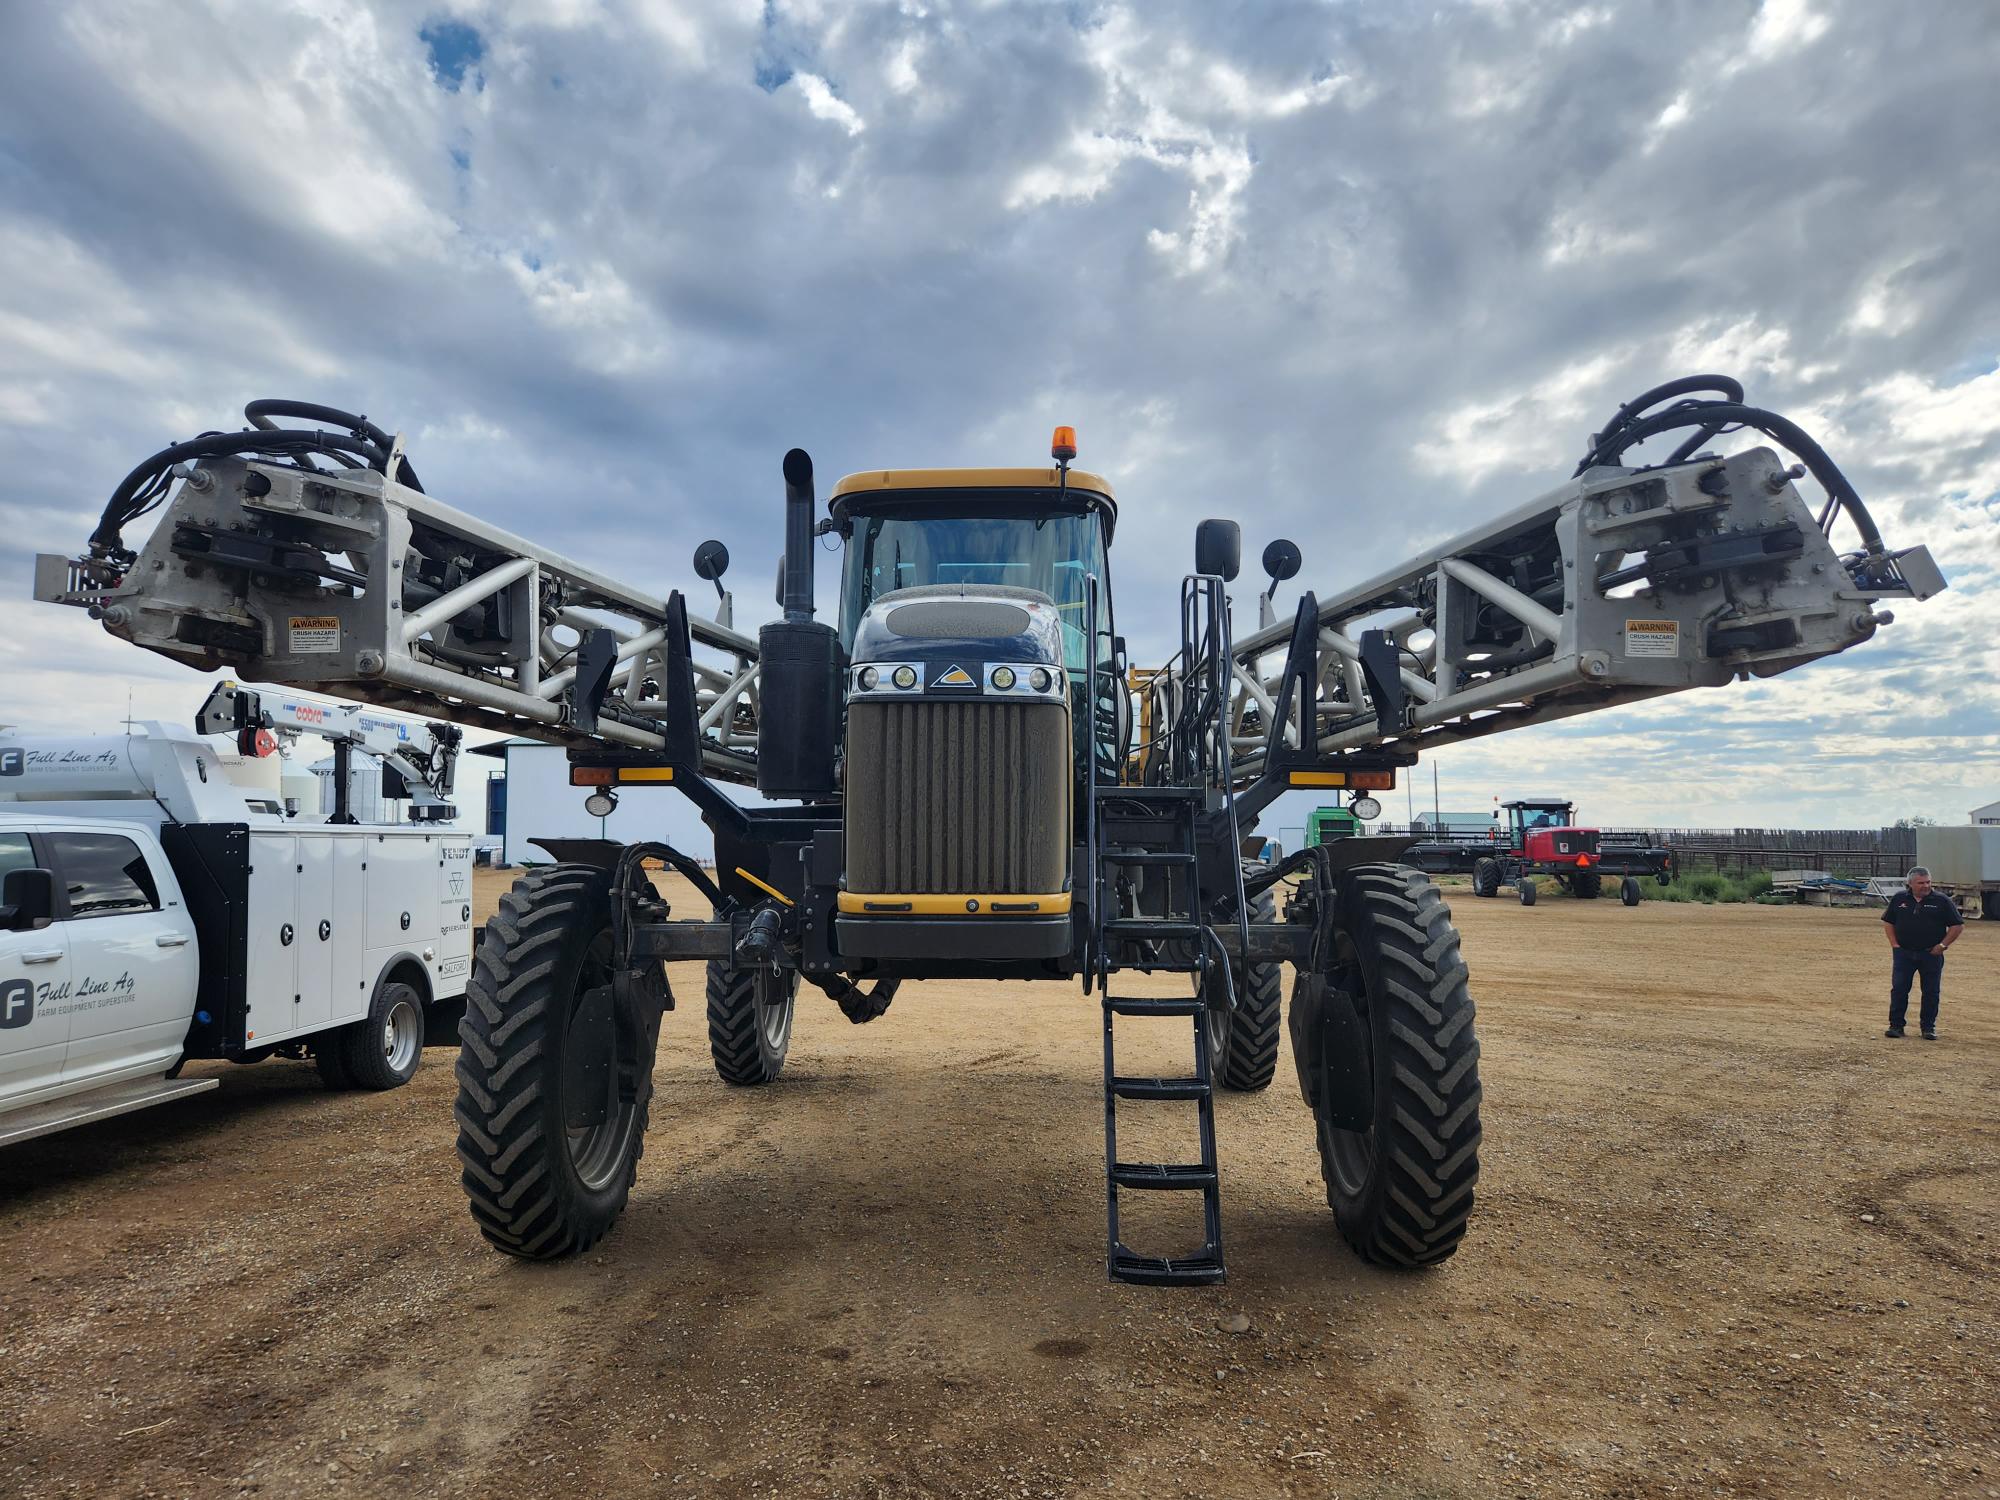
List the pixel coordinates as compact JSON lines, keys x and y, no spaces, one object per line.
{"x":867,"y":679}
{"x":1040,"y":679}
{"x":906,"y":677}
{"x":600,"y":804}
{"x":1366,"y":808}
{"x":1003,"y":678}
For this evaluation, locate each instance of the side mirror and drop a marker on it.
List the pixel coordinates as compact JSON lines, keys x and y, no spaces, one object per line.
{"x":711,"y":561}
{"x":1281,"y":561}
{"x":1218,"y":549}
{"x":27,"y":900}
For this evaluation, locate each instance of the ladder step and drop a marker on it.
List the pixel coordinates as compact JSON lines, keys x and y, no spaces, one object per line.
{"x":1159,"y":1176}
{"x":1152,"y":927}
{"x":1132,"y":1006}
{"x":1154,"y":794}
{"x":1159,"y":1270}
{"x":1160,"y":1088}
{"x":1147,"y":857}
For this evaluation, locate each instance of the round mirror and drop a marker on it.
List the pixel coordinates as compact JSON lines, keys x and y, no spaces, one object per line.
{"x":1282,"y":559}
{"x":711,"y":560}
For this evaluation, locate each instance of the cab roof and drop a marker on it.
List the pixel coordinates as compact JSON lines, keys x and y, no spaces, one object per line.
{"x":912,"y":486}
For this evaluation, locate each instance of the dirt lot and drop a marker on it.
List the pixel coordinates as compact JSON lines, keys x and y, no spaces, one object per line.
{"x":1729,"y":1241}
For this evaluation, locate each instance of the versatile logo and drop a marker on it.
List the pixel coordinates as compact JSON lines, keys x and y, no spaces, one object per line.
{"x":17,"y":1003}
{"x":13,"y":762}
{"x":953,"y":677}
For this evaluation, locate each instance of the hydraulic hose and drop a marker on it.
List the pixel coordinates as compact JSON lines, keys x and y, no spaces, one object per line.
{"x":261,"y":412}
{"x":1621,"y":419}
{"x":1782,"y":429}
{"x":358,"y":442}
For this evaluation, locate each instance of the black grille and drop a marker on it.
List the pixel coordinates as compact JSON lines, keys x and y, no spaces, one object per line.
{"x":947,"y":796}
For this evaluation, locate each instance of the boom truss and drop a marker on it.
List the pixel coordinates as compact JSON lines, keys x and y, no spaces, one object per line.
{"x":1619,"y":585}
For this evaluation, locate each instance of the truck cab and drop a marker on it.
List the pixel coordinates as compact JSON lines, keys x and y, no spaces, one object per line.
{"x":1543,"y":830}
{"x":973,"y":530}
{"x":96,"y":991}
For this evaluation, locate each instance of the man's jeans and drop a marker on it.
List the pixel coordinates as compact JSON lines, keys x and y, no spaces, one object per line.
{"x":1914,"y":961}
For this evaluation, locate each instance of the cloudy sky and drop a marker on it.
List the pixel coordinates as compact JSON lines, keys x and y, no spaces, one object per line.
{"x":1359,"y":274}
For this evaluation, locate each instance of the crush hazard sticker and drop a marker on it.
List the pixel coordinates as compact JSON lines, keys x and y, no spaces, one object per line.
{"x":315,"y":635}
{"x":1652,"y":637}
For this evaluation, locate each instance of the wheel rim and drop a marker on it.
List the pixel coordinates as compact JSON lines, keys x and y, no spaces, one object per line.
{"x":400,"y":1036}
{"x":1352,"y":1152}
{"x":771,"y":1002}
{"x":598,"y":1152}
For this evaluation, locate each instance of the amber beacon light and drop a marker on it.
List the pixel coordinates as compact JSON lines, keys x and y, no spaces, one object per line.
{"x":1062,"y":447}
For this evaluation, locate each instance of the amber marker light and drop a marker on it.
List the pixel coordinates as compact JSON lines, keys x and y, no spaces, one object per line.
{"x":1062,"y":447}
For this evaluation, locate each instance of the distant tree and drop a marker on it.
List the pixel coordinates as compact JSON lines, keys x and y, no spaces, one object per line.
{"x":1915,"y":823}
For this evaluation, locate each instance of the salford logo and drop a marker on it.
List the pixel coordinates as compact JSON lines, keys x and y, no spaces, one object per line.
{"x":13,"y":762}
{"x":17,"y":1003}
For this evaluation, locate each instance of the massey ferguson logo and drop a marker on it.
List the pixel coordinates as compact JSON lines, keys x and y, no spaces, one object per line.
{"x":13,"y":762}
{"x":17,"y":1003}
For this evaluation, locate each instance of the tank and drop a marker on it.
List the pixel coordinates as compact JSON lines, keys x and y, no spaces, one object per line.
{"x":158,"y":766}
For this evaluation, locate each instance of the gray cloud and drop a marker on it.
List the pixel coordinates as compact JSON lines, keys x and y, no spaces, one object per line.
{"x":1358,"y":274}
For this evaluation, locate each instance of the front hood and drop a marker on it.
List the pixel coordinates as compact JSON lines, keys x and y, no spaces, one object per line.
{"x":946,"y":625}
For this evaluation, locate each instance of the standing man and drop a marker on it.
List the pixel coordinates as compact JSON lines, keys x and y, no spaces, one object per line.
{"x":1920,"y":924}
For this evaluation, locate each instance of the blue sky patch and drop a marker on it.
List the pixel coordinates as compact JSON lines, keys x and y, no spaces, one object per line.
{"x":455,"y":50}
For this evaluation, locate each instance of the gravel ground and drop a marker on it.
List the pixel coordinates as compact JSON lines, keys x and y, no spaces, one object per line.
{"x":1730,"y":1241}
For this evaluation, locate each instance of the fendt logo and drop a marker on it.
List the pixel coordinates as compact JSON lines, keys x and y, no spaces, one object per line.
{"x":17,"y":1003}
{"x":13,"y":762}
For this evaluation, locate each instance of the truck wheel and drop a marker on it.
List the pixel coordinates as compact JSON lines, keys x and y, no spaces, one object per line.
{"x":1586,"y":886}
{"x":384,"y":1048}
{"x":554,"y":1077}
{"x":1401,"y":1190}
{"x":1628,"y":891}
{"x":1527,"y":890}
{"x":749,"y":1021}
{"x":1243,"y":1043}
{"x":330,"y":1057}
{"x":1486,"y":877}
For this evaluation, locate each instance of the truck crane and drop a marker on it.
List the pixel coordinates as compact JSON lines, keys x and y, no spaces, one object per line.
{"x":964,"y":775}
{"x":419,"y":762}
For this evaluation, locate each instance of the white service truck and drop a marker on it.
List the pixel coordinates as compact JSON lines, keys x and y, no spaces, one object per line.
{"x":154,"y":910}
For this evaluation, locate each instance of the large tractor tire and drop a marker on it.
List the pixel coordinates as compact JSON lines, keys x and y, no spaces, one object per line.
{"x":1401,"y":1190}
{"x":1586,"y":885}
{"x":749,"y":1021}
{"x":554,"y":1076}
{"x":1486,"y":877}
{"x":1243,"y":1043}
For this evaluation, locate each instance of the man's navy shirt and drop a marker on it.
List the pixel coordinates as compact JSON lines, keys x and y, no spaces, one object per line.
{"x":1920,"y":924}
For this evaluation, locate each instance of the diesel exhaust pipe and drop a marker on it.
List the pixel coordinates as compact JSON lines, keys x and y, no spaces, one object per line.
{"x":798,"y":591}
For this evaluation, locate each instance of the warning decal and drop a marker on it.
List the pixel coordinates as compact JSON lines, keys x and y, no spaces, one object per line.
{"x":315,"y":635}
{"x":1652,"y":637}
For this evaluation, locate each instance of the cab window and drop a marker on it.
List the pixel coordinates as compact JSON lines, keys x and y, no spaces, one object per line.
{"x":16,"y":853}
{"x":1021,"y":546}
{"x":104,"y":874}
